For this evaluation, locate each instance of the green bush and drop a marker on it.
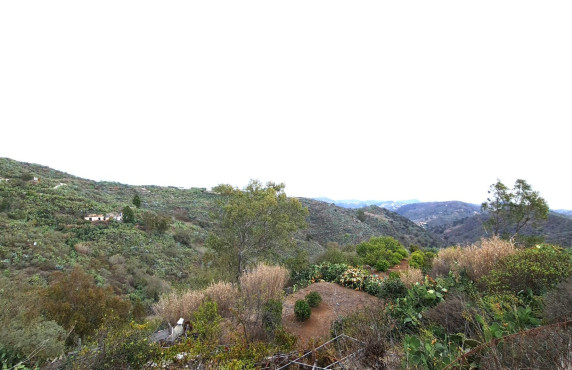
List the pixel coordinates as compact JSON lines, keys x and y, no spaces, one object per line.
{"x":302,"y":310}
{"x":378,"y":249}
{"x":417,"y":259}
{"x":538,"y":269}
{"x":206,"y":321}
{"x":272,"y":315}
{"x":381,"y":265}
{"x":392,"y":288}
{"x":314,"y":299}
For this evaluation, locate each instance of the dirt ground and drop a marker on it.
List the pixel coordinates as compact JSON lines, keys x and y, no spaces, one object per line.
{"x":336,"y":301}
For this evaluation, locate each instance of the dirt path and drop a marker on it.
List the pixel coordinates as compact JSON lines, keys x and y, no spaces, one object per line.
{"x":336,"y":301}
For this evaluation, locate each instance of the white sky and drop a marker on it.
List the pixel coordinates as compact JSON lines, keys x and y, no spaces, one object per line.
{"x":431,"y":100}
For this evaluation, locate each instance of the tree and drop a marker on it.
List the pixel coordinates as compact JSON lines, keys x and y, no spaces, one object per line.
{"x":128,"y":215}
{"x":256,"y":222}
{"x":512,"y":209}
{"x":137,"y":201}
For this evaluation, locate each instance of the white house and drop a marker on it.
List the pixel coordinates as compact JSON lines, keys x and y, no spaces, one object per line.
{"x":94,"y":217}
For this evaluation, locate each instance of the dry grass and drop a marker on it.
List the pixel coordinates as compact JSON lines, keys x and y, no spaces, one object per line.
{"x":224,"y":294}
{"x":445,"y":261}
{"x":264,"y":282}
{"x":174,"y":305}
{"x":476,"y":260}
{"x":411,"y":276}
{"x":82,"y":249}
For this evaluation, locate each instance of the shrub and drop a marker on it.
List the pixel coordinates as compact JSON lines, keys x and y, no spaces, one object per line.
{"x":392,"y":288}
{"x":538,"y":269}
{"x":206,"y":321}
{"x":417,"y":259}
{"x":558,"y":302}
{"x":373,"y":285}
{"x":302,"y":310}
{"x":75,"y":301}
{"x":411,"y":276}
{"x":381,"y":248}
{"x":353,"y":278}
{"x":272,"y":315}
{"x":314,"y":299}
{"x":175,"y":305}
{"x":381,"y":265}
{"x":455,"y":315}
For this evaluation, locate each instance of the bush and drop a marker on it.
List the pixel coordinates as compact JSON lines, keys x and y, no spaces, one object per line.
{"x":206,"y":322}
{"x":392,"y":288}
{"x":381,"y":265}
{"x":379,"y":249}
{"x":538,"y":269}
{"x":417,"y":259}
{"x":353,"y":278}
{"x":558,"y":303}
{"x":302,"y":310}
{"x":314,"y":299}
{"x":455,"y":315}
{"x":272,"y":315}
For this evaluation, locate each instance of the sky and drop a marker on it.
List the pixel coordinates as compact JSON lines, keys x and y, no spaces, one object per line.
{"x":349,"y":100}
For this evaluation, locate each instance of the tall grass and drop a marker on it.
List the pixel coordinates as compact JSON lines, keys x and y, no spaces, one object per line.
{"x":411,"y":276}
{"x":256,"y":287}
{"x":475,"y":260}
{"x":264,"y":282}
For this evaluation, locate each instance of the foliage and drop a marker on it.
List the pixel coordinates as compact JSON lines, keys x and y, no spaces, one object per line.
{"x":272,"y":315}
{"x":392,"y":288}
{"x":128,"y":215}
{"x":353,"y":278}
{"x":136,"y":201}
{"x":127,"y":346}
{"x":155,"y":223}
{"x":335,"y":255}
{"x":302,"y":310}
{"x":206,"y":321}
{"x":314,"y":299}
{"x":77,"y":303}
{"x":381,"y":252}
{"x":411,"y":276}
{"x":417,"y":259}
{"x":558,"y":302}
{"x":511,"y":210}
{"x":254,"y":223}
{"x":538,"y":269}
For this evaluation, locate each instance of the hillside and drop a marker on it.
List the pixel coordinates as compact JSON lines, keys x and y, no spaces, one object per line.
{"x":433,"y":214}
{"x":330,"y":223}
{"x":42,"y":229}
{"x":556,"y":230}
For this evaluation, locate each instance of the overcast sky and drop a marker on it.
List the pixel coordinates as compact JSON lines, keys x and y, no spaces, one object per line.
{"x":432,"y":100}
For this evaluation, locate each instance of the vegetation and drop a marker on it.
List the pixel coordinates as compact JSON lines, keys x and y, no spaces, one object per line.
{"x":254,"y":223}
{"x":381,"y":252}
{"x":67,"y":281}
{"x":511,"y":210}
{"x":302,"y":310}
{"x":314,"y":299}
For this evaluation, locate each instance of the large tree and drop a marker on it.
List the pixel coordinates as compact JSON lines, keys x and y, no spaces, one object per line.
{"x":254,"y":223}
{"x":512,"y":209}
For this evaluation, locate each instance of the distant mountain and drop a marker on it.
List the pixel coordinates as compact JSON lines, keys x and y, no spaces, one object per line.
{"x":328,"y":222}
{"x":432,"y":214}
{"x":565,"y":212}
{"x":354,"y":203}
{"x":556,"y":230}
